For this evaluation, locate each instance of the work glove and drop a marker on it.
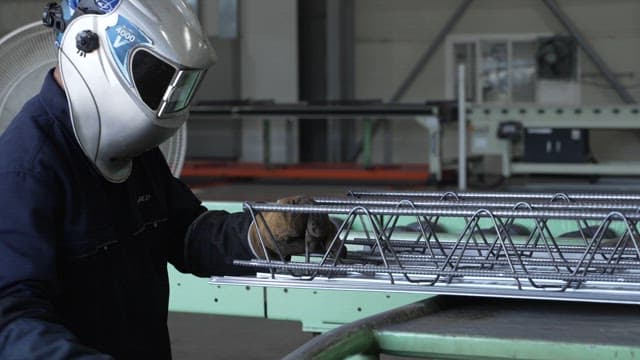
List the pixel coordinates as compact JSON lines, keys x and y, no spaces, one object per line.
{"x":292,"y":231}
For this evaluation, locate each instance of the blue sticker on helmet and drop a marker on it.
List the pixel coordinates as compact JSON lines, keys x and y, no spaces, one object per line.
{"x":107,"y":5}
{"x":122,"y":39}
{"x":73,"y":4}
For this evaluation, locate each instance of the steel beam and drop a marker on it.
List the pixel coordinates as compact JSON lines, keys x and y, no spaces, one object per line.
{"x":419,"y":66}
{"x":589,"y":50}
{"x":340,"y":52}
{"x":462,"y":130}
{"x":431,"y":50}
{"x":340,"y":49}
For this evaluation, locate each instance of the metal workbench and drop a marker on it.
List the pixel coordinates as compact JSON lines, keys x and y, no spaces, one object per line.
{"x":478,"y":328}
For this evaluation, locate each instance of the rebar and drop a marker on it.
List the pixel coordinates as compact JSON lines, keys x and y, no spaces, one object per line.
{"x":610,"y":197}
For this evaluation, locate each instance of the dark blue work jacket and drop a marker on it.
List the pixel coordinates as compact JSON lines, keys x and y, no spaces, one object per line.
{"x":83,"y":262}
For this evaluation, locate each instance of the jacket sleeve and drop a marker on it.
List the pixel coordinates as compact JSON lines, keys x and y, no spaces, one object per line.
{"x":29,"y":325}
{"x":206,"y":242}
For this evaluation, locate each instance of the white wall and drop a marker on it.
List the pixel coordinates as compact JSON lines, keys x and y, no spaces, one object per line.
{"x":391,"y":36}
{"x":269,"y":49}
{"x":269,"y":62}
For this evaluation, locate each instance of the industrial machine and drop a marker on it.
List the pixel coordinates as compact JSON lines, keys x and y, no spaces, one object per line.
{"x":550,"y":139}
{"x":496,"y":275}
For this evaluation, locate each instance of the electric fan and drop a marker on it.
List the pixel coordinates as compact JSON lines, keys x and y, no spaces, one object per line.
{"x":556,"y":58}
{"x":26,"y":55}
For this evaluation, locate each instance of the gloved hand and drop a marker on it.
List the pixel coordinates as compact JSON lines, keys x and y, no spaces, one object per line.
{"x":291,"y":231}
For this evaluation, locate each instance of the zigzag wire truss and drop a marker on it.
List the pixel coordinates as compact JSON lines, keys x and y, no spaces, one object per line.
{"x":504,"y":245}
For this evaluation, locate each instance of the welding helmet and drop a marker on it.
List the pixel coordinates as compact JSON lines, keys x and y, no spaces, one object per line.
{"x":130,"y":69}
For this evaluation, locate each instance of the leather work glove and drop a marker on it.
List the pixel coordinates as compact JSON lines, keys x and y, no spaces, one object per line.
{"x":292,"y":231}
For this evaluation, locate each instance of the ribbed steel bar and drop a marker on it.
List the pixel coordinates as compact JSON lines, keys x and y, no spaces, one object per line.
{"x":421,"y":260}
{"x":610,"y":197}
{"x":488,"y":204}
{"x":448,"y":245}
{"x":443,"y":212}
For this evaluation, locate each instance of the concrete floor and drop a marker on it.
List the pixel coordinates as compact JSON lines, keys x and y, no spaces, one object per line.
{"x":200,"y":337}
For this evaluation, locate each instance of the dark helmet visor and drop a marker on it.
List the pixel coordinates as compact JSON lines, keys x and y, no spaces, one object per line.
{"x":152,"y":77}
{"x":161,"y":86}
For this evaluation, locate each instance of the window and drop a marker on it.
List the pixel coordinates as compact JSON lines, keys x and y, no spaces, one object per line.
{"x":500,"y":69}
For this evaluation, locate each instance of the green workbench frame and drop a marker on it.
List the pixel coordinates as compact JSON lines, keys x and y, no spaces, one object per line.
{"x":399,"y":332}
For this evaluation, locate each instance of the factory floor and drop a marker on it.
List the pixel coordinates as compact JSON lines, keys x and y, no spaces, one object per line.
{"x":196,"y":336}
{"x":199,"y":336}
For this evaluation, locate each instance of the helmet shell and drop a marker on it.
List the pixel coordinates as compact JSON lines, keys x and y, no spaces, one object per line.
{"x":147,"y":48}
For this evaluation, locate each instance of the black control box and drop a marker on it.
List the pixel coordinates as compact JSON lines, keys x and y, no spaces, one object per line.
{"x":549,"y":145}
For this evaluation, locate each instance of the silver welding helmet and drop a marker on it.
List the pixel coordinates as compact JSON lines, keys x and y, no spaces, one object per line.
{"x":130,"y":69}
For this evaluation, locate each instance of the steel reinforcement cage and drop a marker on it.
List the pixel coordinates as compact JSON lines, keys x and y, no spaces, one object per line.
{"x":504,"y":245}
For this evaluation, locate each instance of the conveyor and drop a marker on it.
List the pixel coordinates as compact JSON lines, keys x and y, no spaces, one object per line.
{"x":557,"y":274}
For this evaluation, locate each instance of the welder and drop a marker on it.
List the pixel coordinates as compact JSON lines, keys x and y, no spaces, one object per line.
{"x":90,"y":213}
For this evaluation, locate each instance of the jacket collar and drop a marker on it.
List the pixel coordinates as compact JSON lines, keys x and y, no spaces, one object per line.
{"x":54,"y":100}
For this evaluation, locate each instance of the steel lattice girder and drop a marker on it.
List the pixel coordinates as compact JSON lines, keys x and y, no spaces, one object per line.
{"x":481,"y":258}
